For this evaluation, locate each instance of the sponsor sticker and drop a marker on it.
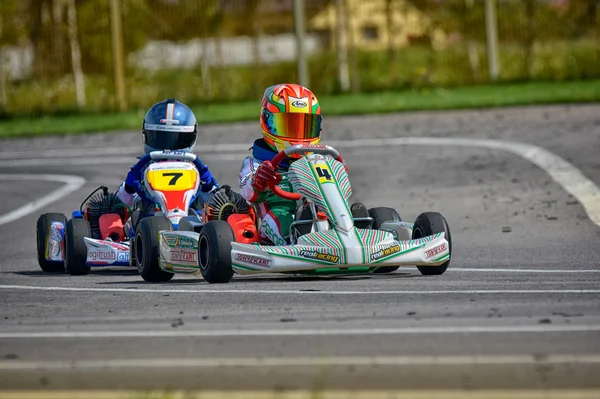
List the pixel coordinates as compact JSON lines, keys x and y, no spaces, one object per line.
{"x":116,"y":245}
{"x":184,"y":256}
{"x":386,"y":251}
{"x":435,"y":250}
{"x":253,"y":260}
{"x":186,"y":242}
{"x":320,"y":256}
{"x":100,"y":255}
{"x":170,"y":121}
{"x":123,"y":257}
{"x":299,"y":104}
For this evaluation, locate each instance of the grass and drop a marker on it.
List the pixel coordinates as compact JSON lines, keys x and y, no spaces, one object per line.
{"x":482,"y":96}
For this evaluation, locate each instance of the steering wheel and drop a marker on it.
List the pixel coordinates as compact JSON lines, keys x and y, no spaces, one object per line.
{"x":299,"y":149}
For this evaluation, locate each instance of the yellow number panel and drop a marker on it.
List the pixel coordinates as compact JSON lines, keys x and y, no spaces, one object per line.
{"x":171,"y":179}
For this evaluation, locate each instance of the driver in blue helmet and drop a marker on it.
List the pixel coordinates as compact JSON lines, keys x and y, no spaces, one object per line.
{"x":168,"y":125}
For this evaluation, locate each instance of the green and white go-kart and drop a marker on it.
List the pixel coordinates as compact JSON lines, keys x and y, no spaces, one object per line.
{"x":328,"y":236}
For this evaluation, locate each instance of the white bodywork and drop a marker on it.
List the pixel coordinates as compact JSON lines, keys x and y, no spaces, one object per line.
{"x":332,"y":243}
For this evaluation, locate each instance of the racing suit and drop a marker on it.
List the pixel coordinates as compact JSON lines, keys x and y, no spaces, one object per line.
{"x":277,"y":214}
{"x":128,"y":190}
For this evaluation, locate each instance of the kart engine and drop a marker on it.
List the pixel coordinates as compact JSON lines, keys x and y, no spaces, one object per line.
{"x":223,"y":203}
{"x":101,"y":204}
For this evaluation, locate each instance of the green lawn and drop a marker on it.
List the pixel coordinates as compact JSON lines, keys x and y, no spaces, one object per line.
{"x":366,"y":103}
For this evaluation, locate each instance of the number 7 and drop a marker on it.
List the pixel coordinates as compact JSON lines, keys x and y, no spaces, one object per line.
{"x":174,"y":178}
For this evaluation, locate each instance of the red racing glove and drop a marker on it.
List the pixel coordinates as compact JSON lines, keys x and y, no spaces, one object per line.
{"x":265,"y":174}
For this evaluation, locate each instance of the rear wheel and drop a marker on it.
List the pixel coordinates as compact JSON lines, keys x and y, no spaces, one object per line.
{"x":429,"y":223}
{"x":42,"y":230}
{"x":146,"y":248}
{"x":381,"y":215}
{"x":214,"y":252}
{"x":75,"y":248}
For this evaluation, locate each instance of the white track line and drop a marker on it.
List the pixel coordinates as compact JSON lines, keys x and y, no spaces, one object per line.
{"x":301,"y":362}
{"x":73,"y":183}
{"x":78,"y":152}
{"x":299,"y":291}
{"x":536,"y":328}
{"x":104,"y":161}
{"x":561,"y":171}
{"x":481,"y":269}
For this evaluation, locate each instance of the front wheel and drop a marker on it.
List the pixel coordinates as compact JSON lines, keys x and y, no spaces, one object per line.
{"x":75,"y":248}
{"x":42,"y":231}
{"x":214,"y":252}
{"x":146,"y":248}
{"x":381,"y":215}
{"x":427,"y":224}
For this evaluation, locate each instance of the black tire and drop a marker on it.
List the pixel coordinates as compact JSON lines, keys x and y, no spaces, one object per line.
{"x":380,"y":215}
{"x":214,"y":252}
{"x":146,"y":248}
{"x":359,"y":210}
{"x":383,"y":214}
{"x":75,"y":248}
{"x":429,"y":223}
{"x":42,"y":230}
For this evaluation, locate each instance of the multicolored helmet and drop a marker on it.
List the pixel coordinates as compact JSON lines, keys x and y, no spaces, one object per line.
{"x":290,"y":114}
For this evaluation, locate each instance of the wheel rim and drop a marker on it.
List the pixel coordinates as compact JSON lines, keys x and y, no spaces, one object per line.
{"x":204,"y":252}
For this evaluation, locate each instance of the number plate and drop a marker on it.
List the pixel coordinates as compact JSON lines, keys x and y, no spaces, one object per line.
{"x":324,"y":173}
{"x":171,"y":179}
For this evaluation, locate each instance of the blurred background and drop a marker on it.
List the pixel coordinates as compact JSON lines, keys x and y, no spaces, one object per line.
{"x":64,"y":56}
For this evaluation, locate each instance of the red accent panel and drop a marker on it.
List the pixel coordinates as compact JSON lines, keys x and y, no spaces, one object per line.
{"x":241,"y":223}
{"x":111,"y":223}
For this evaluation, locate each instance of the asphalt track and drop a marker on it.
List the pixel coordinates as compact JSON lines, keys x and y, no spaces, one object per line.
{"x":519,"y":307}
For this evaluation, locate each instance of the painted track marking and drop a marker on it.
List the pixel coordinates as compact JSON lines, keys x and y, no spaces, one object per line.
{"x":482,"y":269}
{"x":301,"y":361}
{"x":73,"y":183}
{"x":562,"y":172}
{"x":302,"y":332}
{"x":300,"y":292}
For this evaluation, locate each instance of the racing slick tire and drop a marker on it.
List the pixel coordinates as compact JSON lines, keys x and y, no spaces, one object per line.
{"x":429,"y":223}
{"x":381,"y":215}
{"x":75,"y":248}
{"x":42,"y":230}
{"x":146,"y":248}
{"x":214,"y":252}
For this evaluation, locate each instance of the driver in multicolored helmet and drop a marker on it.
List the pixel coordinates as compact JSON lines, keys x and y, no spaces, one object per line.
{"x":168,"y":125}
{"x":290,"y":114}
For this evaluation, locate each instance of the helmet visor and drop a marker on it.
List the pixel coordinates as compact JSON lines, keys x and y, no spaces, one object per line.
{"x":170,"y":140}
{"x":294,"y":125}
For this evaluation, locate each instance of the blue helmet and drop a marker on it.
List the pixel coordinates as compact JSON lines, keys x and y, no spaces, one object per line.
{"x":169,"y":125}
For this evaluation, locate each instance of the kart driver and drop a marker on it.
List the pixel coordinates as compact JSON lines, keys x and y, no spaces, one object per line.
{"x":290,"y":115}
{"x":168,"y":125}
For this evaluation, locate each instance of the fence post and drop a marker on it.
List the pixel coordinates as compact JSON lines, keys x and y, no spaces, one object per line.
{"x":491,"y":30}
{"x":3,"y":96}
{"x":299,"y":23}
{"x":117,"y":50}
{"x":342,"y":45}
{"x":76,"y":55}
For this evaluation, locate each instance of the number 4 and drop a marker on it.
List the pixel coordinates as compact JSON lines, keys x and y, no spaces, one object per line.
{"x":323,"y":173}
{"x":174,"y":177}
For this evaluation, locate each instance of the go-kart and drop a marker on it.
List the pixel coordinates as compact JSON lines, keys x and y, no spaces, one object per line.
{"x":328,"y":235}
{"x":105,"y":232}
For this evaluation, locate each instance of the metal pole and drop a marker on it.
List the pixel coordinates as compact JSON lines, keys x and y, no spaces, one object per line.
{"x":300,"y":48}
{"x":117,"y":50}
{"x":492,"y":38}
{"x":342,"y":46}
{"x":76,"y":55}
